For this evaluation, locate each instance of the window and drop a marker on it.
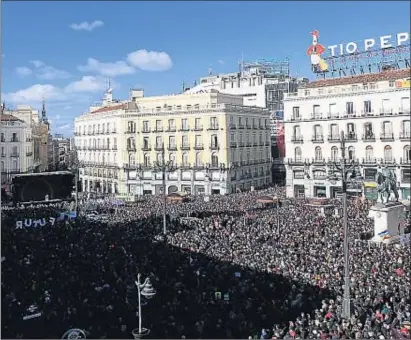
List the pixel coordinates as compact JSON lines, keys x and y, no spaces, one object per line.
{"x":391,"y":83}
{"x":145,"y":142}
{"x":316,"y":111}
{"x":159,"y":125}
{"x":369,"y":174}
{"x":172,"y":141}
{"x":368,"y":130}
{"x":184,"y":159}
{"x":387,"y":129}
{"x":351,"y":153}
{"x":388,"y":153}
{"x":214,"y":160}
{"x":131,"y":159}
{"x":213,"y":123}
{"x":159,"y":142}
{"x":334,"y":130}
{"x":406,"y":175}
{"x":298,"y":174}
{"x":184,"y":140}
{"x":171,"y":124}
{"x":159,"y":158}
{"x":349,"y":106}
{"x":198,"y":140}
{"x":318,"y":153}
{"x":297,"y":153}
{"x":158,"y":108}
{"x":405,"y":105}
{"x":214,"y":141}
{"x":198,"y":123}
{"x":369,"y":153}
{"x":199,"y":159}
{"x":405,"y":127}
{"x":367,"y":106}
{"x":332,"y":110}
{"x":334,"y":153}
{"x":318,"y":131}
{"x":172,"y":158}
{"x":296,"y":112}
{"x":2,"y":137}
{"x":319,"y":174}
{"x":407,"y":154}
{"x":178,"y":107}
{"x":197,"y":106}
{"x":297,"y":131}
{"x":184,"y":124}
{"x":146,"y":159}
{"x":146,"y":125}
{"x":14,"y":137}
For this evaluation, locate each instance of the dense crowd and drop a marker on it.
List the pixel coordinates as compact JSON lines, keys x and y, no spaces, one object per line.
{"x":228,"y":268}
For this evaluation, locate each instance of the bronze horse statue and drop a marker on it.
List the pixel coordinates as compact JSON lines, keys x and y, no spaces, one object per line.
{"x":386,"y":184}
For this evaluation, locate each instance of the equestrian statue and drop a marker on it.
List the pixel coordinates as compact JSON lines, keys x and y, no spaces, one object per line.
{"x":386,"y":185}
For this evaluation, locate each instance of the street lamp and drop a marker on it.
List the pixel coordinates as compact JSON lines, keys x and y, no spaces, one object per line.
{"x":143,"y":289}
{"x":164,"y":167}
{"x":344,"y":167}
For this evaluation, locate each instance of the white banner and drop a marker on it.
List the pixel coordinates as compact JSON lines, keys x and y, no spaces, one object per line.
{"x":34,"y":223}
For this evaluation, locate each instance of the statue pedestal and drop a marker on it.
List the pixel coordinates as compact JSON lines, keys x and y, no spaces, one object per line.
{"x":389,"y":218}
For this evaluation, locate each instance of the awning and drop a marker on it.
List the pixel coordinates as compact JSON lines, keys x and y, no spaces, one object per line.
{"x":370,"y":184}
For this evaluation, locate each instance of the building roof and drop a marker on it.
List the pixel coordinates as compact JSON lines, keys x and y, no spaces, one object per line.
{"x":110,"y":108}
{"x":9,"y":118}
{"x":363,"y":78}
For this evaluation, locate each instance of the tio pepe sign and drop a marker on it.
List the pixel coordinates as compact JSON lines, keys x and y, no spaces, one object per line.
{"x":383,"y":42}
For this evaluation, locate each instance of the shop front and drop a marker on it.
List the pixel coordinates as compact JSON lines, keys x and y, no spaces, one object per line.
{"x":320,"y":191}
{"x":299,"y":191}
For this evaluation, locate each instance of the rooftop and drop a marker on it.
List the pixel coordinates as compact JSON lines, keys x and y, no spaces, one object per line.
{"x":9,"y":118}
{"x":110,"y":108}
{"x":363,"y":78}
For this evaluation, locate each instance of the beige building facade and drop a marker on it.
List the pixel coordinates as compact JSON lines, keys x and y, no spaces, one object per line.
{"x":209,"y":141}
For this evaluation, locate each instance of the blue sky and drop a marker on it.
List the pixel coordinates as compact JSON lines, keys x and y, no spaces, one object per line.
{"x":65,"y":51}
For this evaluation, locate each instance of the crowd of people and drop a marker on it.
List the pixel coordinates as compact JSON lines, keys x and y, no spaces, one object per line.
{"x":226,"y":268}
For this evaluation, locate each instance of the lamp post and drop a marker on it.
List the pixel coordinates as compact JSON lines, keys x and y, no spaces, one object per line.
{"x":345,"y":167}
{"x":145,"y":289}
{"x":164,"y":167}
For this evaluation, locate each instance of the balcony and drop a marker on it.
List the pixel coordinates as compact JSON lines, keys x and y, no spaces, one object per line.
{"x":294,"y":119}
{"x":214,"y":146}
{"x":267,"y":143}
{"x":333,"y":138}
{"x":114,"y":131}
{"x":172,"y":147}
{"x":255,"y":144}
{"x":212,"y":127}
{"x":331,"y":115}
{"x":233,"y":126}
{"x":249,"y":144}
{"x":184,"y":129}
{"x":3,"y":155}
{"x":158,"y":129}
{"x":317,"y":139}
{"x":185,"y":147}
{"x":198,"y":128}
{"x":131,"y":148}
{"x":369,"y":161}
{"x":114,"y":148}
{"x":14,"y":140}
{"x":159,"y":147}
{"x":14,"y":155}
{"x":248,"y":126}
{"x":241,"y":126}
{"x":241,"y":144}
{"x":29,"y":154}
{"x":387,"y":137}
{"x":316,"y":115}
{"x":146,"y":147}
{"x":199,"y":146}
{"x":295,"y":161}
{"x":351,"y":137}
{"x":318,"y":161}
{"x":386,"y":112}
{"x":405,"y":136}
{"x":368,"y":137}
{"x":233,"y":145}
{"x":404,"y":111}
{"x":297,"y":139}
{"x":130,"y":131}
{"x":405,"y":161}
{"x":171,"y":129}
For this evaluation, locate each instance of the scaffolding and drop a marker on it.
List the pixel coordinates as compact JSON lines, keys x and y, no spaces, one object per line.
{"x":268,"y":68}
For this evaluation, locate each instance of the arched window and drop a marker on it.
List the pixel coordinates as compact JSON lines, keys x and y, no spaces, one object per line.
{"x":369,"y":153}
{"x":172,"y":158}
{"x":214,"y":159}
{"x":407,"y":153}
{"x":318,"y":153}
{"x":199,"y":159}
{"x":334,"y":153}
{"x":297,"y":153}
{"x":185,"y":159}
{"x":388,"y":153}
{"x":351,"y":153}
{"x":146,"y":159}
{"x":131,"y":159}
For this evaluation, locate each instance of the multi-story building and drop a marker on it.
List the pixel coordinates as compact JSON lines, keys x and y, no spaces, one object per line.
{"x":373,"y":110}
{"x":61,"y":150}
{"x":16,"y":148}
{"x":40,"y":130}
{"x":213,"y":142}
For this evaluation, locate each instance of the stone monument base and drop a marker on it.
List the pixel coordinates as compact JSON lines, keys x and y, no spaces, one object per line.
{"x":388,"y":221}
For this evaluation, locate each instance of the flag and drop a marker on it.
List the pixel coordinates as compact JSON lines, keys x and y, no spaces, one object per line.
{"x":383,"y":233}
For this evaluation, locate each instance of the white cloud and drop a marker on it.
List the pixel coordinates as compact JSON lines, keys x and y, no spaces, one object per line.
{"x":57,"y":116}
{"x":47,"y":72}
{"x":73,"y":92}
{"x":23,"y":71}
{"x":65,"y":127}
{"x":87,"y":26}
{"x":117,"y":68}
{"x":150,"y":60}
